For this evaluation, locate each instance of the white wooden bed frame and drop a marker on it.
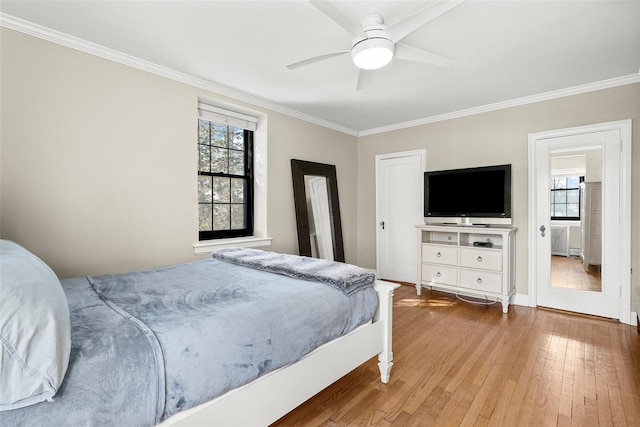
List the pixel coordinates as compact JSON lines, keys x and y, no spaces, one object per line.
{"x":273,"y":395}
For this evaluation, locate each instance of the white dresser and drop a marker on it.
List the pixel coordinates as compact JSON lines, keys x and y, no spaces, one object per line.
{"x":478,"y":262}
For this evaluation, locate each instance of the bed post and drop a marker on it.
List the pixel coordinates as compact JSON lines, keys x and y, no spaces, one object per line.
{"x":385,"y":314}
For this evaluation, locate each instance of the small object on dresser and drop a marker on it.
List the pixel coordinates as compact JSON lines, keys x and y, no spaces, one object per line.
{"x":483,"y":244}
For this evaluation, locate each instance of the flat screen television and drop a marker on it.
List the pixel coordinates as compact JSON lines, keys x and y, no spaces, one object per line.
{"x":471,"y":196}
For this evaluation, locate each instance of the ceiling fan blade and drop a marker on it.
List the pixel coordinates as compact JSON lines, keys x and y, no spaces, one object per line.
{"x":399,"y":30}
{"x":363,"y":78}
{"x":410,"y":53}
{"x":340,"y":18}
{"x":316,"y":59}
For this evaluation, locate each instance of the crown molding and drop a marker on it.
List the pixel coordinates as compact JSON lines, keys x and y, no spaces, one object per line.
{"x":58,"y":37}
{"x":67,"y":40}
{"x":575,"y":90}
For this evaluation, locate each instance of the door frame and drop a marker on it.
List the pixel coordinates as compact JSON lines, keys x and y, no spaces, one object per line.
{"x":624,"y":127}
{"x":379,"y":158}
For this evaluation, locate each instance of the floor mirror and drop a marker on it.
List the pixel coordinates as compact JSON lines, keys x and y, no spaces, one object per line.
{"x":315,"y":189}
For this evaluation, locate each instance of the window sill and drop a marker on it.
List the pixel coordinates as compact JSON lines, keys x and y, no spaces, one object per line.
{"x":573,"y":222}
{"x":207,"y":246}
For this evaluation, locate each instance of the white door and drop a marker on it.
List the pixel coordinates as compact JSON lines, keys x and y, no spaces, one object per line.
{"x":399,"y":208}
{"x":605,"y":302}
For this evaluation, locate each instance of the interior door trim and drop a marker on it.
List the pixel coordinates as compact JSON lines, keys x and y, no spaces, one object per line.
{"x":624,"y":127}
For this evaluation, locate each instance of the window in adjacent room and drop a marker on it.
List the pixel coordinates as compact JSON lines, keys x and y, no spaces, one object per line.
{"x":565,"y":197}
{"x":225,"y":173}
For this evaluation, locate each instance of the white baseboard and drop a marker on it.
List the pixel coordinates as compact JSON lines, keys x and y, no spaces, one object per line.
{"x":521,"y":299}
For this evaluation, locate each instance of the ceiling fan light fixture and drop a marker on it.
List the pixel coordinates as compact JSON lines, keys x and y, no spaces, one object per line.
{"x":372,"y":53}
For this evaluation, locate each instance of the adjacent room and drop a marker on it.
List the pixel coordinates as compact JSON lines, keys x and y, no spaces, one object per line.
{"x":319,"y":213}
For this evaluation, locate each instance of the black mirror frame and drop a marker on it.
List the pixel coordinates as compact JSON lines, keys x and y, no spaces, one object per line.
{"x":300,"y":168}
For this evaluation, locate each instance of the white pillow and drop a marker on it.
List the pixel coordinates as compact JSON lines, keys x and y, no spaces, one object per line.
{"x":35,"y":334}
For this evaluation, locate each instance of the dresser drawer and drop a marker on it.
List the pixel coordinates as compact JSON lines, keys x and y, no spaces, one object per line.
{"x":485,"y":259}
{"x":481,"y":280}
{"x":439,"y":274}
{"x":440,"y":254}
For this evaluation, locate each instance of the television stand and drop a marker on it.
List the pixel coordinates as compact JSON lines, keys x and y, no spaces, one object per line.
{"x":478,"y":262}
{"x":464,"y":224}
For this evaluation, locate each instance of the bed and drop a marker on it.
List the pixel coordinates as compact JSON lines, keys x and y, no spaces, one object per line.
{"x":221,"y":341}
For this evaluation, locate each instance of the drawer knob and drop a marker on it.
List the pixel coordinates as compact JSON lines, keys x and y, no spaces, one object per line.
{"x":438,"y":254}
{"x":438,"y":274}
{"x":479,"y":259}
{"x":479,"y":281}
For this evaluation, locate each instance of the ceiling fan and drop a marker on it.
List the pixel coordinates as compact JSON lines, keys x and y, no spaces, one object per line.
{"x":376,"y":44}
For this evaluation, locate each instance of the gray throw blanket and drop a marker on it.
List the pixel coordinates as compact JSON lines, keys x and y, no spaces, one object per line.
{"x":346,"y":277}
{"x":151,"y":343}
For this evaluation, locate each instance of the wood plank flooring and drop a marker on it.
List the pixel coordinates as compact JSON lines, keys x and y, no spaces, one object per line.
{"x":568,"y":272}
{"x":460,"y":364}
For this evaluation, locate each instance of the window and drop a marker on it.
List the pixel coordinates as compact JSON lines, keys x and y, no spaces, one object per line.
{"x":565,"y":197}
{"x":225,"y":174}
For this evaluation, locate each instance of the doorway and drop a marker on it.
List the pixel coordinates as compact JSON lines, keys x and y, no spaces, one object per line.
{"x":605,"y":244}
{"x":399,"y":208}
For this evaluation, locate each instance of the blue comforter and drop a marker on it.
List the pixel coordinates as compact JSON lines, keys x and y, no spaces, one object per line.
{"x":148,"y":344}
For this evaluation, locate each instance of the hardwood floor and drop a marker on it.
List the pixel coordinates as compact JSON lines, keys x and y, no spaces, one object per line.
{"x":460,"y":364}
{"x":568,"y":272}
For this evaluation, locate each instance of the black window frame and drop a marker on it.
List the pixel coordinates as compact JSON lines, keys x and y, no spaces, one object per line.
{"x":552,"y":198}
{"x":248,"y":136}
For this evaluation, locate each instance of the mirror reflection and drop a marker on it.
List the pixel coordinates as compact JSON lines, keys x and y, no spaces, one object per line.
{"x":318,"y":213}
{"x":576,"y":219}
{"x":317,"y":210}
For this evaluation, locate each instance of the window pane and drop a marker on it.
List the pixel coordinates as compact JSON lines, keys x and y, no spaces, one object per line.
{"x":573,"y":182}
{"x":561,"y":183}
{"x":204,"y":161}
{"x":204,"y":212}
{"x":203,"y":132}
{"x":573,"y":209}
{"x":554,"y":183}
{"x":560,"y":196}
{"x":221,"y":190}
{"x":224,"y":200}
{"x":560,"y":210}
{"x":236,"y":138}
{"x":219,"y":135}
{"x":204,"y":189}
{"x":573,"y":196}
{"x":237,"y":190}
{"x":221,"y":217}
{"x":236,"y":162}
{"x":238,"y":217}
{"x":219,"y":160}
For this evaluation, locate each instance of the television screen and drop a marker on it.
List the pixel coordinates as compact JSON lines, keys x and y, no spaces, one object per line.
{"x":474,"y":192}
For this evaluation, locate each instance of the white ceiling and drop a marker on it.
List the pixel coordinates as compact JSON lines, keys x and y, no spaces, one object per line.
{"x":501,"y":50}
